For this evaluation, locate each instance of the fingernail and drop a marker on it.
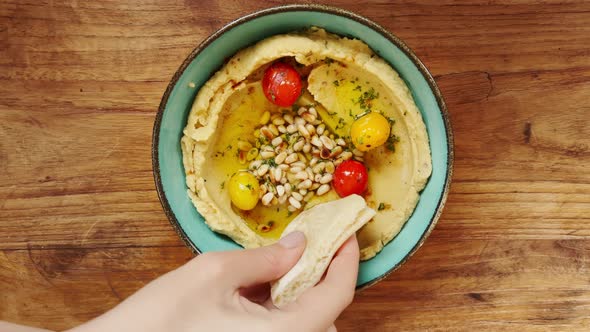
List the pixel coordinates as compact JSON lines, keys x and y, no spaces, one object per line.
{"x":292,"y":240}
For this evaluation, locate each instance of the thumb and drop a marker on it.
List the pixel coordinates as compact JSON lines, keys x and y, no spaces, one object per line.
{"x":255,"y":266}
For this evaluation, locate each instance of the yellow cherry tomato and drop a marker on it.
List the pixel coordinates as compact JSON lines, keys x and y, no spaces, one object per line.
{"x":243,"y":190}
{"x":370,"y":131}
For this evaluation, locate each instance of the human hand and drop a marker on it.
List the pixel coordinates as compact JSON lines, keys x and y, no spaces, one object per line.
{"x":229,"y":291}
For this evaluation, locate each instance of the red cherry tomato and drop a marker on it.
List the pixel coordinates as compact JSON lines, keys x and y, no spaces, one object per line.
{"x":281,"y":84}
{"x":350,"y":177}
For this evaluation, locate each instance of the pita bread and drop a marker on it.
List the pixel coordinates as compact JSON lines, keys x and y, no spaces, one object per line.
{"x":326,"y":227}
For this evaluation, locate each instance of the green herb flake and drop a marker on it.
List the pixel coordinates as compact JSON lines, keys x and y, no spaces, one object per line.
{"x":341,"y":123}
{"x":222,"y":184}
{"x":336,"y":83}
{"x":381,"y":207}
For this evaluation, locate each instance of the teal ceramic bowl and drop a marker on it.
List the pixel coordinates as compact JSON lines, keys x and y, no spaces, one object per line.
{"x":208,"y":57}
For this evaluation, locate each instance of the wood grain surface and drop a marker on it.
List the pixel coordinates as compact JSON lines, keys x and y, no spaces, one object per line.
{"x":81,"y":227}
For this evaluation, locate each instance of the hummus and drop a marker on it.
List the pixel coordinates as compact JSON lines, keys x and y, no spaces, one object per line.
{"x":344,"y":80}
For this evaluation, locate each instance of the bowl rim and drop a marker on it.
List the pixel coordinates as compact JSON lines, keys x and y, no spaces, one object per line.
{"x":312,"y":8}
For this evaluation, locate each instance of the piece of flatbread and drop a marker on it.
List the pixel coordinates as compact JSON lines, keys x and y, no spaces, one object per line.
{"x":326,"y":227}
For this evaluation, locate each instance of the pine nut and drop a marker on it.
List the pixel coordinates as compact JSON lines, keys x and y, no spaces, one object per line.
{"x":326,"y":178}
{"x":244,"y":146}
{"x":330,"y":167}
{"x":357,"y":152}
{"x":320,"y":129}
{"x":313,"y":111}
{"x":267,"y":198}
{"x":298,"y":146}
{"x":284,"y":167}
{"x":346,"y":155}
{"x":303,"y":131}
{"x":264,"y":118}
{"x":283,"y":199}
{"x":267,"y":132}
{"x":309,"y":173}
{"x":336,"y":152}
{"x":316,"y":141}
{"x":297,"y":196}
{"x":317,"y":178}
{"x":319,"y":167}
{"x":308,"y":196}
{"x":252,"y":154}
{"x":278,"y":173}
{"x":291,"y":208}
{"x":305,"y":184}
{"x":242,"y":157}
{"x":291,"y":158}
{"x":308,"y":117}
{"x":341,"y":142}
{"x":277,"y":141}
{"x":315,"y":186}
{"x":291,"y":128}
{"x":278,"y":121}
{"x":327,"y":142}
{"x":282,"y":129}
{"x":273,"y":129}
{"x":289,"y":118}
{"x":301,"y":175}
{"x":283,"y":180}
{"x":301,"y":110}
{"x":324,"y":188}
{"x":310,"y":128}
{"x":262,"y":170}
{"x":299,"y":121}
{"x":267,"y":154}
{"x":255,"y":164}
{"x":280,"y":190}
{"x":295,"y":170}
{"x":295,"y":203}
{"x":280,"y":157}
{"x":306,"y":148}
{"x":298,"y":164}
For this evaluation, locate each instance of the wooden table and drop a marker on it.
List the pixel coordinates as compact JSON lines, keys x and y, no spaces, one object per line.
{"x":81,"y":227}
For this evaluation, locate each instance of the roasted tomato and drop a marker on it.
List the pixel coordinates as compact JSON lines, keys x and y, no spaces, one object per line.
{"x":370,"y":131}
{"x":243,"y":190}
{"x":350,"y":177}
{"x":281,"y":84}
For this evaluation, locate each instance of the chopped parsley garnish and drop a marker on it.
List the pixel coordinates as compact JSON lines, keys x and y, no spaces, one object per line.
{"x":222,"y":184}
{"x":270,"y":162}
{"x":341,"y":123}
{"x":390,"y":143}
{"x":336,"y":83}
{"x":381,"y":207}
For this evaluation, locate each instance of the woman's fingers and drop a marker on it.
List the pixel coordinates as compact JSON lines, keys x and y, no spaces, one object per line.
{"x":322,"y":304}
{"x":245,"y":268}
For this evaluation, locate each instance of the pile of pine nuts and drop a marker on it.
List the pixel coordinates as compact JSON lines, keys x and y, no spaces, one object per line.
{"x":295,"y":157}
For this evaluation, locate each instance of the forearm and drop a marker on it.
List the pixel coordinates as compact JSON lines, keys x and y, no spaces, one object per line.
{"x":10,"y":327}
